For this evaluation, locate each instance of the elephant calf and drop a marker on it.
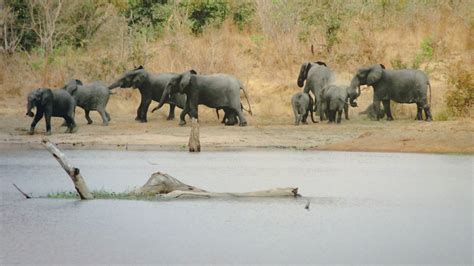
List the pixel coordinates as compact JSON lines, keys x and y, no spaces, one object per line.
{"x":92,"y":97}
{"x":371,"y":112}
{"x":302,"y":104}
{"x":334,"y":100}
{"x":57,"y":103}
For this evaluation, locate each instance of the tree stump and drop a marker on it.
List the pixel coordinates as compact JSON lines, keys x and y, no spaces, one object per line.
{"x":194,"y":143}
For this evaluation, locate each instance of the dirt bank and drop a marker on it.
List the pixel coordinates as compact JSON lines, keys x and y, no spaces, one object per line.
{"x":358,"y":134}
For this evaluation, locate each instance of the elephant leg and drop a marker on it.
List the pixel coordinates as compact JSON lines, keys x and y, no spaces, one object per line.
{"x":47,"y":118}
{"x":108,"y":115}
{"x":144,"y":110}
{"x":339,"y":116}
{"x":36,"y":119}
{"x":139,"y":111}
{"x":240,"y":114}
{"x":88,"y":118}
{"x":71,"y":128}
{"x":419,"y":111}
{"x":105,"y":121}
{"x":183,"y":114}
{"x":171,"y":113}
{"x":304,"y":117}
{"x":295,"y":113}
{"x":428,"y":113}
{"x":386,"y":107}
{"x":346,"y":111}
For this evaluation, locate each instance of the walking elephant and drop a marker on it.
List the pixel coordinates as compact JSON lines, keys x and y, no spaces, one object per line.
{"x":48,"y":103}
{"x":317,"y":76}
{"x":302,"y":105}
{"x":401,"y":86}
{"x":335,"y":100}
{"x":218,"y":91}
{"x":92,"y":97}
{"x":151,"y":87}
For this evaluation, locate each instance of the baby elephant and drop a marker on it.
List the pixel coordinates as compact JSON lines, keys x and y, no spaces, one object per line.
{"x":372,"y":113}
{"x":334,"y":100}
{"x":302,"y":103}
{"x":57,"y":103}
{"x":92,"y":97}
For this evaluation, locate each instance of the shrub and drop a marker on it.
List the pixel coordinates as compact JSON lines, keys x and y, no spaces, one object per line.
{"x":243,"y":14}
{"x":460,"y":98}
{"x":206,"y":12}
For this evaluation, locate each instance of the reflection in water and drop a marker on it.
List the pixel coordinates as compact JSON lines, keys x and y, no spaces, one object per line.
{"x":365,"y":208}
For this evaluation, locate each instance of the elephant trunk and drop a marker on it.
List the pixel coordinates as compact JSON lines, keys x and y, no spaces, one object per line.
{"x":114,"y":85}
{"x":302,"y":76}
{"x":29,"y":108}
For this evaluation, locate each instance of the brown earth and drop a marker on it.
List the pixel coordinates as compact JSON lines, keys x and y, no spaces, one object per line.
{"x":358,"y":134}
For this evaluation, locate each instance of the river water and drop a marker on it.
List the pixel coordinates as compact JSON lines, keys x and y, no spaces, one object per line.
{"x":365,"y":208}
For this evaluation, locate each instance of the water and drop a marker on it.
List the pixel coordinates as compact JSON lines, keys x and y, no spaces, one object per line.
{"x":365,"y":208}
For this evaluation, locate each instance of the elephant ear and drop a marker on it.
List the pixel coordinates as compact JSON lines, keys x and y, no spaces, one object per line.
{"x":305,"y":67}
{"x":187,"y":79}
{"x":374,"y":75}
{"x":45,"y":95}
{"x":79,"y":82}
{"x":138,"y":78}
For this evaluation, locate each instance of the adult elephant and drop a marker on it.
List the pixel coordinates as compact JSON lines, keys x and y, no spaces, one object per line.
{"x":401,"y":86}
{"x":49,"y":103}
{"x":317,"y":76}
{"x":218,"y":91}
{"x":151,"y":87}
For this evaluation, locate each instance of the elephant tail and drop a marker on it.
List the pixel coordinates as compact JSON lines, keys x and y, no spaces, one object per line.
{"x":248,"y":102}
{"x":429,"y":87}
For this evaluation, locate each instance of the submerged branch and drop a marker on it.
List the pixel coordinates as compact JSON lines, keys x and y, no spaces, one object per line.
{"x":23,"y":193}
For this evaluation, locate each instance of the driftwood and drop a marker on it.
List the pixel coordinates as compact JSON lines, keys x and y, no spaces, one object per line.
{"x":168,"y":187}
{"x":194,"y":143}
{"x":159,"y":184}
{"x":72,"y":171}
{"x":21,"y":191}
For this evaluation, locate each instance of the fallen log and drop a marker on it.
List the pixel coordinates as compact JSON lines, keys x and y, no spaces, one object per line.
{"x":167,"y":187}
{"x":160,"y":185}
{"x":73,"y":172}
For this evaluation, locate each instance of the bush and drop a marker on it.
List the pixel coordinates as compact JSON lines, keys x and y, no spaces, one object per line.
{"x":243,"y":14}
{"x":460,"y":98}
{"x":206,"y":12}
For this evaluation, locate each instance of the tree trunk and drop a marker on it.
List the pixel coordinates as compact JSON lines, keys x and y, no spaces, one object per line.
{"x":73,"y":172}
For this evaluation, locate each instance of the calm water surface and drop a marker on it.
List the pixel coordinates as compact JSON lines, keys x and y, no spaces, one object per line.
{"x":365,"y":208}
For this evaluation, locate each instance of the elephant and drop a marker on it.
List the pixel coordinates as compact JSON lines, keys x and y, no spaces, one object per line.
{"x":151,"y":87}
{"x":230,"y":117}
{"x":218,"y":91}
{"x":401,"y":86}
{"x":334,"y":100}
{"x":92,"y":97}
{"x":317,"y":76}
{"x":57,"y":103}
{"x":371,"y":113}
{"x":302,"y":104}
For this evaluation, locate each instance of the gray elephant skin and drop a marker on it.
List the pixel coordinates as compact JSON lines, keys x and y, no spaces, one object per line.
{"x":335,"y":100}
{"x":372,"y":113}
{"x":220,"y":91}
{"x":48,"y":103}
{"x":317,"y":76}
{"x":401,"y":86}
{"x":91,"y":97}
{"x":151,"y":87}
{"x":302,"y":105}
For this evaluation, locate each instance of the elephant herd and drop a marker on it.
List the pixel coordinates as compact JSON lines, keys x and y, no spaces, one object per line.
{"x":401,"y":86}
{"x":189,"y":89}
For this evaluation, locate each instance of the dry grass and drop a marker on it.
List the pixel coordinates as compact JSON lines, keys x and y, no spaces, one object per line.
{"x":265,"y":58}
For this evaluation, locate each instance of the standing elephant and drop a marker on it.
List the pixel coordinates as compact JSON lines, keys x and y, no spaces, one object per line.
{"x":317,"y":76}
{"x":48,"y":103}
{"x":92,"y":97}
{"x":218,"y":91}
{"x":334,"y":100}
{"x":302,"y":104}
{"x":401,"y":86}
{"x":151,"y":87}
